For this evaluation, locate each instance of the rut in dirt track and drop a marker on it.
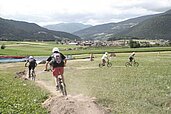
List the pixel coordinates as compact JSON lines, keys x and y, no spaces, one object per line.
{"x":79,"y":104}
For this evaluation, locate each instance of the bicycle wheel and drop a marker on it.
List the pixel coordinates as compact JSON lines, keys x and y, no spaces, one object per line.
{"x":64,"y":92}
{"x":136,"y":64}
{"x":109,"y":64}
{"x":100,"y":65}
{"x":33,"y":75}
{"x":127,"y":64}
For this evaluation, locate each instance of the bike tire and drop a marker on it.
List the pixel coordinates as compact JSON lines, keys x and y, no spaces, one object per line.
{"x":109,"y":64}
{"x":64,"y":91}
{"x":136,"y":64}
{"x":33,"y":77}
{"x":127,"y":64}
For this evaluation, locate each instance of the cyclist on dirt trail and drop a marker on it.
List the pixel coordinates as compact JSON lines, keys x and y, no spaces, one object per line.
{"x":105,"y":58}
{"x":32,"y":64}
{"x":57,"y":61}
{"x":132,"y":57}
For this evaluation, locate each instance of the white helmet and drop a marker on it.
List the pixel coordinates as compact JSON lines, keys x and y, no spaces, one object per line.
{"x":55,"y":49}
{"x":133,"y":53}
{"x":31,"y":57}
{"x":106,"y":53}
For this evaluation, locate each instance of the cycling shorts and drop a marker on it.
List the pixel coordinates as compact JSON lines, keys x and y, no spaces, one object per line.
{"x":58,"y":71}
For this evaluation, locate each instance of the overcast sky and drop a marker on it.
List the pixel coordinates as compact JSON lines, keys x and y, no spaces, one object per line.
{"x":44,"y":12}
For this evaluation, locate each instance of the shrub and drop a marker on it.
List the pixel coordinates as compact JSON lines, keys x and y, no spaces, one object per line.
{"x":3,"y":46}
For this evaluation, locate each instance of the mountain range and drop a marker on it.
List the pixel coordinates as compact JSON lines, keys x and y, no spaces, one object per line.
{"x":67,"y":27}
{"x":156,"y":26}
{"x":19,"y":30}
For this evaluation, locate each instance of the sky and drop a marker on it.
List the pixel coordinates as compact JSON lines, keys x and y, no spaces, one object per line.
{"x":94,"y":12}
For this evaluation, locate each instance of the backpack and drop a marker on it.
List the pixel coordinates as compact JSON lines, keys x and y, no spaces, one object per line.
{"x":56,"y":57}
{"x":32,"y":62}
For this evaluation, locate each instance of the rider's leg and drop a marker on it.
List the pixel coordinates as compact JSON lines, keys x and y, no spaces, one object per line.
{"x":29,"y":71}
{"x":103,"y":62}
{"x":56,"y":82}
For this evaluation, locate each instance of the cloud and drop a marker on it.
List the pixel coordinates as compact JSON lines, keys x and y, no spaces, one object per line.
{"x":85,"y":11}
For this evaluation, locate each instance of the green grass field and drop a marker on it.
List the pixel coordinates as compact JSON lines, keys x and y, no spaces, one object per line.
{"x":125,"y":90}
{"x":18,"y":96}
{"x":142,"y":90}
{"x":45,"y":48}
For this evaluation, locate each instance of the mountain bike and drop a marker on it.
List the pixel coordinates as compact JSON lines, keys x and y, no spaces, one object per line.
{"x":33,"y":75}
{"x":61,"y":86}
{"x":133,"y":63}
{"x":108,"y":64}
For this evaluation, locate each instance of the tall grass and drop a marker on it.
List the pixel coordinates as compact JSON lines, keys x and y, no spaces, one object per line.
{"x":18,"y":96}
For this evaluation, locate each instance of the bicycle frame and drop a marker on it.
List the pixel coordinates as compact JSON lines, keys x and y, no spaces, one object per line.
{"x":62,"y":86}
{"x":33,"y":75}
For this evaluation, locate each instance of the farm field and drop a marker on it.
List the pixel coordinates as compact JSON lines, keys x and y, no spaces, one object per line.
{"x":145,"y":89}
{"x":45,"y":48}
{"x":140,"y":90}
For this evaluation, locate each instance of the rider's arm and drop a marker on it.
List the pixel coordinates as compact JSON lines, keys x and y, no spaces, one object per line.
{"x":65,"y":61}
{"x":46,"y":66}
{"x":26,"y":64}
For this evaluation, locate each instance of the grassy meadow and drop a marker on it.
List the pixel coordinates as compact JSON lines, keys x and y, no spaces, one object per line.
{"x":19,"y":96}
{"x":125,"y":90}
{"x":45,"y":48}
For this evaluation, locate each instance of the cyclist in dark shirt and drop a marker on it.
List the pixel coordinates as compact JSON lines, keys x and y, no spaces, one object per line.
{"x":57,"y":62}
{"x":32,"y":64}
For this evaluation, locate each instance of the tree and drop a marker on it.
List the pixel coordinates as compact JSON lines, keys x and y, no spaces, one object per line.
{"x":134,"y":44}
{"x":3,"y":46}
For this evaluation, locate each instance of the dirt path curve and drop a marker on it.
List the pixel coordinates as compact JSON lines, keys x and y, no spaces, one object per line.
{"x":58,"y":104}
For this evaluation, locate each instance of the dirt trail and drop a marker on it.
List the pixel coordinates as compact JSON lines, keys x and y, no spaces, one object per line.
{"x":58,"y":104}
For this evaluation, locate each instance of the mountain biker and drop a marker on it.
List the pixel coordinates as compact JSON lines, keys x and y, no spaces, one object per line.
{"x":57,"y":61}
{"x":32,"y":64}
{"x":132,"y":57}
{"x":105,"y":58}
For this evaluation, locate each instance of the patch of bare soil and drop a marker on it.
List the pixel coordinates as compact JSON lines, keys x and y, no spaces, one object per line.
{"x":58,"y":104}
{"x":73,"y":105}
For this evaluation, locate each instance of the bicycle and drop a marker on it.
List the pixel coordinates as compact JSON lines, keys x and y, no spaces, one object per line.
{"x":133,"y":63}
{"x":108,"y":64}
{"x":61,"y":85}
{"x":33,"y":75}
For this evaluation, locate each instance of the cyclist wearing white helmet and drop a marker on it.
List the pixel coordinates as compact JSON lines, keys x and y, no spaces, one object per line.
{"x":132,"y":57}
{"x":32,"y":64}
{"x":57,"y":61}
{"x":105,"y":58}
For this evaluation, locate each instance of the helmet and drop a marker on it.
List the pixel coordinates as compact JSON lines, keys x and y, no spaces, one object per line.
{"x":31,"y":57}
{"x":133,"y":53}
{"x":55,"y":49}
{"x":106,"y":53}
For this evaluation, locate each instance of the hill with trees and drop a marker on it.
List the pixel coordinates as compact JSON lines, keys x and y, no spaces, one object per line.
{"x":19,"y":30}
{"x":156,"y":26}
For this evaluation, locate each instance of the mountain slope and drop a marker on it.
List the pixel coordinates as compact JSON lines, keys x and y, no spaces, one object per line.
{"x":106,"y":31}
{"x":158,"y":27}
{"x":67,"y":27}
{"x":18,"y":30}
